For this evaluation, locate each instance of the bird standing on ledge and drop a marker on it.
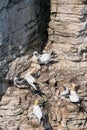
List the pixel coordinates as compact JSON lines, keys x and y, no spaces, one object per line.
{"x":30,"y":79}
{"x":37,"y":111}
{"x":74,"y":98}
{"x":41,"y":117}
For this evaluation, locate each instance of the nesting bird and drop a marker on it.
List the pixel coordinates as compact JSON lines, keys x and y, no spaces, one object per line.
{"x":73,"y":96}
{"x":41,"y":116}
{"x":37,"y":111}
{"x":70,"y":93}
{"x":43,"y":58}
{"x":30,"y":79}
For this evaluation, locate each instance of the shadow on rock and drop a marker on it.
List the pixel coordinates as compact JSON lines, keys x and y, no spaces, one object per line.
{"x":4,"y":84}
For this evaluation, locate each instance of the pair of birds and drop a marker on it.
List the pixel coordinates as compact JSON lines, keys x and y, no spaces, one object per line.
{"x":72,"y":95}
{"x":29,"y":79}
{"x":43,"y":118}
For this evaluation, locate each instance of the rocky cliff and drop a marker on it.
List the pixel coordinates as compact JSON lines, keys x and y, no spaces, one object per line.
{"x":67,"y":37}
{"x":67,"y":32}
{"x":23,"y":25}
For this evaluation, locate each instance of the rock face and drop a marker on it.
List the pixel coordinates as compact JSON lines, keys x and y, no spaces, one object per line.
{"x":67,"y":32}
{"x":16,"y":105}
{"x":23,"y":25}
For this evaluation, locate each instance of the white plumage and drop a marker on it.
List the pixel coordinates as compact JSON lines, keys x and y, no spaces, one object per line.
{"x":74,"y":97}
{"x":43,"y":58}
{"x":31,"y":80}
{"x":37,"y":111}
{"x":20,"y":82}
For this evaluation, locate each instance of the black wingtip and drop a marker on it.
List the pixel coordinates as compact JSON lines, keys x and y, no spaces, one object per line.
{"x":46,"y":123}
{"x":82,"y":109}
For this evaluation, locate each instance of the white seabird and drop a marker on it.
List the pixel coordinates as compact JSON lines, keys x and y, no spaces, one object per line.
{"x":74,"y":97}
{"x":41,"y":117}
{"x":30,"y":79}
{"x":44,"y":58}
{"x":37,"y":111}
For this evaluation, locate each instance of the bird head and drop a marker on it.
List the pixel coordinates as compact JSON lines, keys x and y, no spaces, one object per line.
{"x":35,"y":53}
{"x":36,"y":102}
{"x":15,"y":78}
{"x":73,"y":87}
{"x":32,"y":71}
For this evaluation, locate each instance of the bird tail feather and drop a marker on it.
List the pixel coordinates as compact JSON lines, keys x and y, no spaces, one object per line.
{"x":82,"y":109}
{"x":46,"y":123}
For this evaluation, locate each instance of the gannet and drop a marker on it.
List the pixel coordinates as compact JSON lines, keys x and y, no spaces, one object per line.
{"x":37,"y":111}
{"x":41,"y":116}
{"x":30,"y":79}
{"x":20,"y":82}
{"x":44,"y":58}
{"x":74,"y":98}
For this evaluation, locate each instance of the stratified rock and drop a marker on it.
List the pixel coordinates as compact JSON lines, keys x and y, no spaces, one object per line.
{"x":23,"y":26}
{"x":67,"y":33}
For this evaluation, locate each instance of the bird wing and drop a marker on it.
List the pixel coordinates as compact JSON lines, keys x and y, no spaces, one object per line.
{"x":22,"y":81}
{"x":30,"y":78}
{"x":46,"y":123}
{"x":44,"y":58}
{"x":74,"y":97}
